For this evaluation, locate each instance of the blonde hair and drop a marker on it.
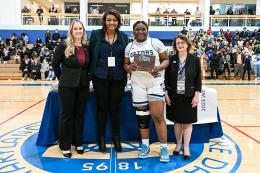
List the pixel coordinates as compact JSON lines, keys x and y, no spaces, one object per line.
{"x":70,"y":42}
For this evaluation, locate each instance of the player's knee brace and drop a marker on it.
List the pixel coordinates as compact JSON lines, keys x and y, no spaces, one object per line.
{"x":143,"y":118}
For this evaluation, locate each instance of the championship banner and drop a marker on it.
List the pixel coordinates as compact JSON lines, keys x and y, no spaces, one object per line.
{"x":207,"y":107}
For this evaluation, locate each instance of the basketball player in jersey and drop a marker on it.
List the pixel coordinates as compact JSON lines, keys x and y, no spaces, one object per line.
{"x":148,"y":86}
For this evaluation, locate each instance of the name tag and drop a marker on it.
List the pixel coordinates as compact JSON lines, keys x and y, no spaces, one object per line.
{"x":111,"y":61}
{"x":180,"y":86}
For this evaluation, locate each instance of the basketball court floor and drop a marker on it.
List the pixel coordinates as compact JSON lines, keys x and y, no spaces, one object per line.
{"x":21,"y":108}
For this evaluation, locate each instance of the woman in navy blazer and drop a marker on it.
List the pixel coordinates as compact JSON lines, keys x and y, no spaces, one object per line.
{"x":70,"y":64}
{"x":183,"y":85}
{"x":107,"y":47}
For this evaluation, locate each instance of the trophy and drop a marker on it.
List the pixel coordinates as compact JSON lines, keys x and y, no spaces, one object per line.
{"x":144,"y":62}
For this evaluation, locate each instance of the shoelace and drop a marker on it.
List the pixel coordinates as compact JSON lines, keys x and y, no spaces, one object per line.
{"x":164,"y":151}
{"x":144,"y":148}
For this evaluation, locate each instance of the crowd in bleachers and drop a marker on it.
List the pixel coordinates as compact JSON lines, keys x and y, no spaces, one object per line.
{"x":220,"y":53}
{"x":34,"y":59}
{"x":225,"y":51}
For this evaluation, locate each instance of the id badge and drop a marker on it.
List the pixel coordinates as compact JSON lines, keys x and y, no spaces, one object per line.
{"x":111,"y":61}
{"x":181,"y":86}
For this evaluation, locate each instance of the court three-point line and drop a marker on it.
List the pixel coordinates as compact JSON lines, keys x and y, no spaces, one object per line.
{"x":22,"y":111}
{"x":247,"y":135}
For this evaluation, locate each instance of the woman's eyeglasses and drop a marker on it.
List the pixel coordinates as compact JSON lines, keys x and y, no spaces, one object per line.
{"x":180,"y":43}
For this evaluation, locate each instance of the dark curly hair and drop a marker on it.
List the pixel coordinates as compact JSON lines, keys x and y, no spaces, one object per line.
{"x":114,"y":13}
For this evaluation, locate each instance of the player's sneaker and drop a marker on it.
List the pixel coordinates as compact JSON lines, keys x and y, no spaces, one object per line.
{"x":164,"y":155}
{"x":145,"y":151}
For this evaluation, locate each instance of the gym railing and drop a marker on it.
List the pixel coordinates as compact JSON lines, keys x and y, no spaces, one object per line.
{"x":160,"y":20}
{"x":234,"y":20}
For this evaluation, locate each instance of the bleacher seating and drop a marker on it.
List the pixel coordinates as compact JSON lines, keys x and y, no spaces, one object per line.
{"x":10,"y":71}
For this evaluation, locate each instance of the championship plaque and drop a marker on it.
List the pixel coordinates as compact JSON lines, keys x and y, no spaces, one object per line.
{"x":144,"y":62}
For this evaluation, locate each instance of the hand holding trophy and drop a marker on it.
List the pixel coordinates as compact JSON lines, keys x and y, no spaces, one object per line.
{"x":144,"y":62}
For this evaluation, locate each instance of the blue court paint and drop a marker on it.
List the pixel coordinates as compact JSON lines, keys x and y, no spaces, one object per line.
{"x":33,"y":154}
{"x":239,"y":155}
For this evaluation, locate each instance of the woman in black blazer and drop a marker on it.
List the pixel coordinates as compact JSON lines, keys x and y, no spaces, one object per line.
{"x":183,"y":85}
{"x":70,"y":64}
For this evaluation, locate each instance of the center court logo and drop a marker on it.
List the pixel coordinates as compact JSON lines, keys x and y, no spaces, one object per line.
{"x":18,"y":153}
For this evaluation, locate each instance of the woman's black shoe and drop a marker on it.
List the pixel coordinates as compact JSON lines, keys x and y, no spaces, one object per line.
{"x":186,"y":157}
{"x":117,"y":144}
{"x":79,"y":149}
{"x":66,"y":153}
{"x":176,"y":153}
{"x":102,"y":145}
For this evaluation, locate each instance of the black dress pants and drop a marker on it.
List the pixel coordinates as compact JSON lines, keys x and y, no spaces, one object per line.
{"x":73,"y":102}
{"x":212,"y":69}
{"x":109,"y":94}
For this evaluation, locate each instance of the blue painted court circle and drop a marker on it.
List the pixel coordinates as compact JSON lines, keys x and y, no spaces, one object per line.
{"x":33,"y":154}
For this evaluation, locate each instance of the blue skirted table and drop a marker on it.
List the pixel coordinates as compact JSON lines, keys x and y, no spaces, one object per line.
{"x":48,"y":133}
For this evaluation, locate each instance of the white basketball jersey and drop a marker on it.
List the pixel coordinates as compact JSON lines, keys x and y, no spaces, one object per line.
{"x":145,"y":48}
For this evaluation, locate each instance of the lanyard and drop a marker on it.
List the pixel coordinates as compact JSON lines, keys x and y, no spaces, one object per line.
{"x":111,"y":45}
{"x":181,"y":67}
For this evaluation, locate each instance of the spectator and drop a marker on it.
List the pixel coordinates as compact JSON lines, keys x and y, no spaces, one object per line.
{"x":75,"y":10}
{"x":247,"y":66}
{"x":256,"y":64}
{"x":47,"y":37}
{"x":44,"y":69}
{"x":26,"y":10}
{"x":254,"y":33}
{"x":228,"y":35}
{"x":53,"y":19}
{"x":198,"y":18}
{"x":26,"y":18}
{"x":209,"y":31}
{"x":211,"y":10}
{"x":25,"y":67}
{"x":68,"y":9}
{"x":225,"y":55}
{"x":240,"y":11}
{"x":204,"y":64}
{"x":95,"y":20}
{"x":39,"y":42}
{"x":17,"y":56}
{"x":184,"y":31}
{"x":230,"y":11}
{"x":39,"y":11}
{"x":166,"y":11}
{"x":243,"y":34}
{"x":157,"y":18}
{"x":257,"y":45}
{"x":250,"y":11}
{"x":239,"y":61}
{"x":56,"y":36}
{"x":174,"y":19}
{"x":214,"y":64}
{"x":186,"y":21}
